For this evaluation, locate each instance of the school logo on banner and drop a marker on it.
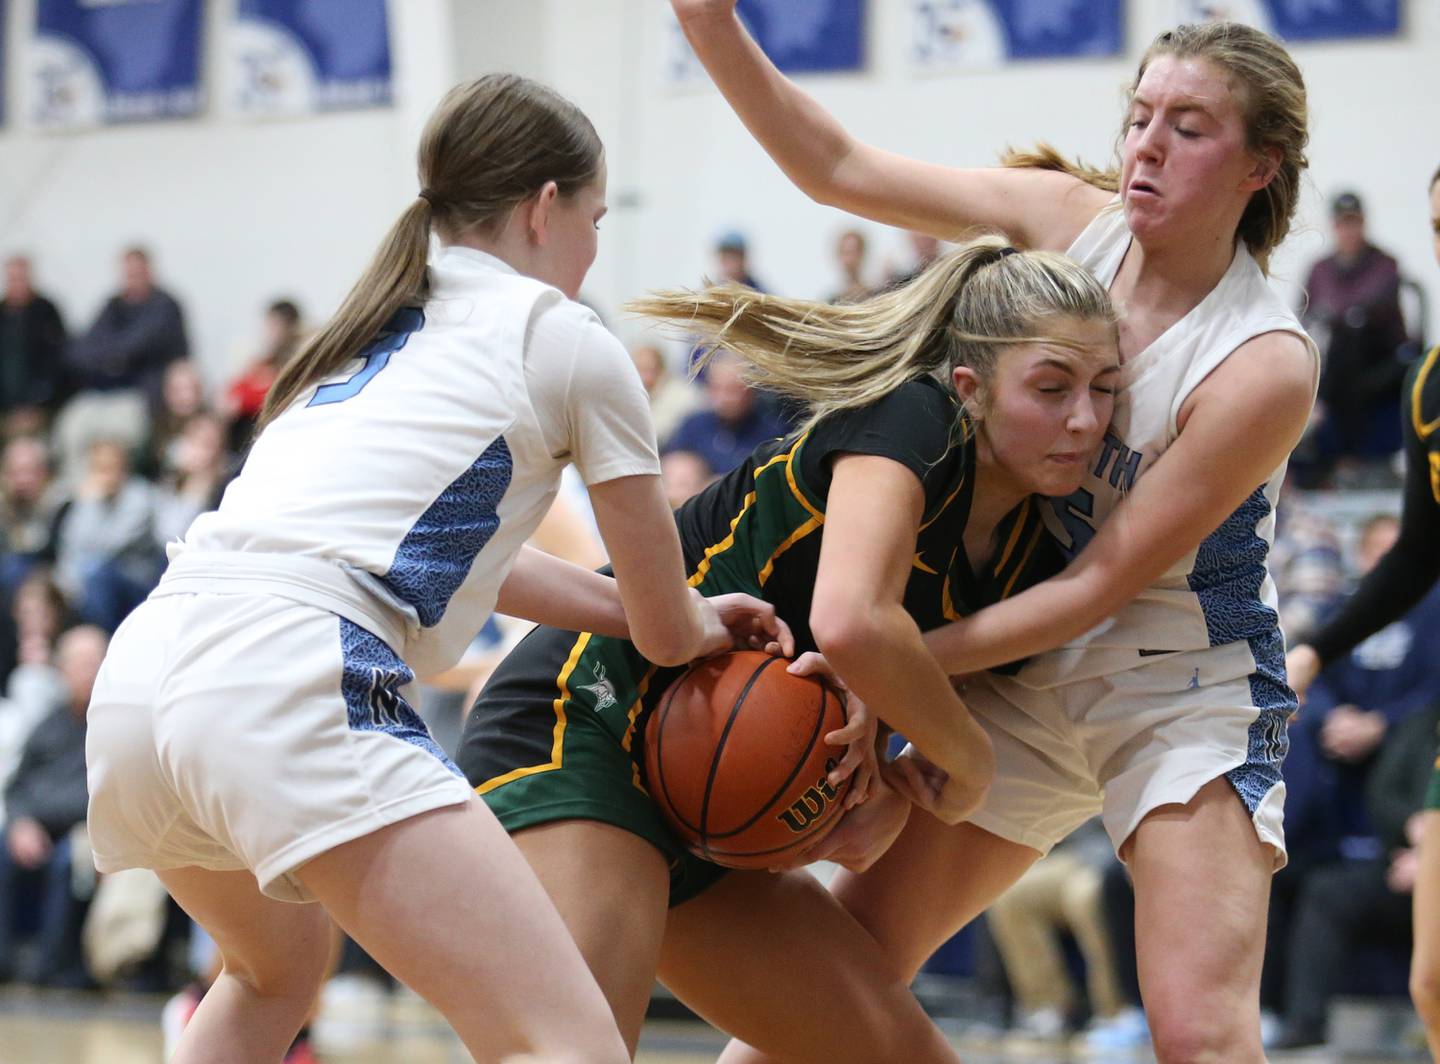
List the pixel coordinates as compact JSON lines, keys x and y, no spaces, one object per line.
{"x":114,"y":61}
{"x":290,"y":57}
{"x":958,"y":35}
{"x":799,"y":36}
{"x":1301,"y":20}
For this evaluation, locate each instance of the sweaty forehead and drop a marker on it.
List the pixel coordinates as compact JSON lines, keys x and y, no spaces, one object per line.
{"x":1172,"y":81}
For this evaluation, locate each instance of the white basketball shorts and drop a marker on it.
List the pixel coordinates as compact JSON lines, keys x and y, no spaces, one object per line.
{"x":1129,"y":740}
{"x":250,"y":731}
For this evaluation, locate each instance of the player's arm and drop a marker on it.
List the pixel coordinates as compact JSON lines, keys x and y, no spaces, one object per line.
{"x":548,"y":590}
{"x":1043,"y":209}
{"x":1398,"y":581}
{"x":1237,"y":426}
{"x":873,"y":509}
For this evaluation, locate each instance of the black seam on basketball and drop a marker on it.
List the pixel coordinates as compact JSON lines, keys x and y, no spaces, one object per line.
{"x":810,"y":838}
{"x":720,"y":744}
{"x":663,"y":712}
{"x":764,"y":809}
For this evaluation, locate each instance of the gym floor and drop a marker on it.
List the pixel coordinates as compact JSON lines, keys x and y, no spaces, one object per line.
{"x":50,"y":1027}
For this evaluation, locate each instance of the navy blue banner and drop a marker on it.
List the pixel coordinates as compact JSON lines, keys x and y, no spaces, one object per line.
{"x":808,"y":36}
{"x":960,"y":34}
{"x":297,"y":56}
{"x":1304,"y":20}
{"x":120,"y":61}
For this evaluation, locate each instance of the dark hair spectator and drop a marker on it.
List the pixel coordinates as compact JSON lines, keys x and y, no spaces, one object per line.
{"x":1353,"y":309}
{"x":32,"y":349}
{"x":244,"y":398}
{"x":119,"y":362}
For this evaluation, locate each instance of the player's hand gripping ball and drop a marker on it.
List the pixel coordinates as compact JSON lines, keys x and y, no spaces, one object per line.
{"x":736,"y":759}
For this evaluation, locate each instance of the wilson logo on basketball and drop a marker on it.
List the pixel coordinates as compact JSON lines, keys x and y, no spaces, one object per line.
{"x":811,"y":805}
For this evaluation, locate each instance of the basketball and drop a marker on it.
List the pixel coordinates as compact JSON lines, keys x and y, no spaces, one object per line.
{"x":736,"y":758}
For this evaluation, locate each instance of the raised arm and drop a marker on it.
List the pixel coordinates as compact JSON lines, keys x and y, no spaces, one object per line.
{"x":1237,"y":427}
{"x":872,"y":512}
{"x":1035,"y":208}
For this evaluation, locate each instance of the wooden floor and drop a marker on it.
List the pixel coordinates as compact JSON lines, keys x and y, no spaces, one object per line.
{"x":58,"y":1028}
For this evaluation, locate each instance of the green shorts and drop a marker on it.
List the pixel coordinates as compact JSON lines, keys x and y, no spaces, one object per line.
{"x":1432,"y":793}
{"x":558,"y":734}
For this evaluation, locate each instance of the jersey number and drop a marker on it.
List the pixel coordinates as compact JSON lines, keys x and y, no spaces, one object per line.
{"x":406,"y":321}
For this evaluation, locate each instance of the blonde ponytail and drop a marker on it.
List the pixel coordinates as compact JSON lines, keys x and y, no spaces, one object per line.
{"x":489,"y":145}
{"x":837,"y":357}
{"x":394,"y":279}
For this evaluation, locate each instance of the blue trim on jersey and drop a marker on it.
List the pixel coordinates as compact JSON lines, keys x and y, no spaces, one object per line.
{"x":371,"y":677}
{"x":397,"y":331}
{"x":435,"y":556}
{"x":1269,"y":737}
{"x":1228,"y":573}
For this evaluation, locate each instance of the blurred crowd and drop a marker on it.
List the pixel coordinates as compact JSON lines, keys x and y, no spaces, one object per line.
{"x":112,"y":441}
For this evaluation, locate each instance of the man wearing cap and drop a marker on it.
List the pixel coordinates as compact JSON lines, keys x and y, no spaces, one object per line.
{"x":1353,"y":309}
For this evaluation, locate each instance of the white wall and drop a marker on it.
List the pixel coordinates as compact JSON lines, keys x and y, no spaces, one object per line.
{"x":239,"y":212}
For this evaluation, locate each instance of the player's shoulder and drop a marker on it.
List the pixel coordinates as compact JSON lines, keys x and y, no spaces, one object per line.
{"x":563,"y":328}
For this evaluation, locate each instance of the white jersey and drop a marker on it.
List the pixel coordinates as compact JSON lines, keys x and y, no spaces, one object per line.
{"x":1221,"y":592}
{"x":398,"y":492}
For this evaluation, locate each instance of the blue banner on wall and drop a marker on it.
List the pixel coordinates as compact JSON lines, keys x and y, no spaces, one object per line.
{"x":120,"y":61}
{"x":966,"y":34}
{"x":799,"y":36}
{"x":808,"y":36}
{"x":299,"y":56}
{"x":1303,"y":20}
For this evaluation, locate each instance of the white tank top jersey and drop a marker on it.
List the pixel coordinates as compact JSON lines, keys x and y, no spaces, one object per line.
{"x":1221,"y":592}
{"x":398,"y":492}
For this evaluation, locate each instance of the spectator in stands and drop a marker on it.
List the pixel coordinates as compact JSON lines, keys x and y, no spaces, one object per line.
{"x":1385,"y":679}
{"x":119,"y":362}
{"x":924,"y":249}
{"x":1351,"y":903}
{"x":1306,"y":563}
{"x":684,"y":473}
{"x":182,"y":397}
{"x":850,"y":258}
{"x":32,"y":350}
{"x":734,"y":424}
{"x":28,"y":499}
{"x":1060,"y":893}
{"x":1353,"y":307}
{"x":671,"y":397}
{"x":106,"y":559}
{"x":196,"y":480}
{"x":245,"y":395}
{"x":44,"y":800}
{"x":732,"y":261}
{"x":38,"y":615}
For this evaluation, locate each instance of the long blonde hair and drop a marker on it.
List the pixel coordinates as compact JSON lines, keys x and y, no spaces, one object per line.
{"x":1274,"y":107}
{"x":960,"y":311}
{"x":489,"y":145}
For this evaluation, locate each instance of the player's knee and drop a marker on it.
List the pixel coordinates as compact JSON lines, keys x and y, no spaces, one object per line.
{"x":1192,"y":1035}
{"x":1425,"y":989}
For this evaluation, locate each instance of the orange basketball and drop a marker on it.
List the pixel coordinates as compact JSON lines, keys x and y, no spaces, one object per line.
{"x":737,"y":759}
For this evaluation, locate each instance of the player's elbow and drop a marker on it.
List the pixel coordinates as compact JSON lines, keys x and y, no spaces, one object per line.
{"x":843,"y":631}
{"x":668,"y":645}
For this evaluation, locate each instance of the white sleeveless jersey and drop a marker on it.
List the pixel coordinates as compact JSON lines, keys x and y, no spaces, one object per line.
{"x":1221,"y":592}
{"x":399,"y":491}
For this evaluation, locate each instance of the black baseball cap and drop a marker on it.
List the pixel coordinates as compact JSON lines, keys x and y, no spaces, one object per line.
{"x":1346,"y":203}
